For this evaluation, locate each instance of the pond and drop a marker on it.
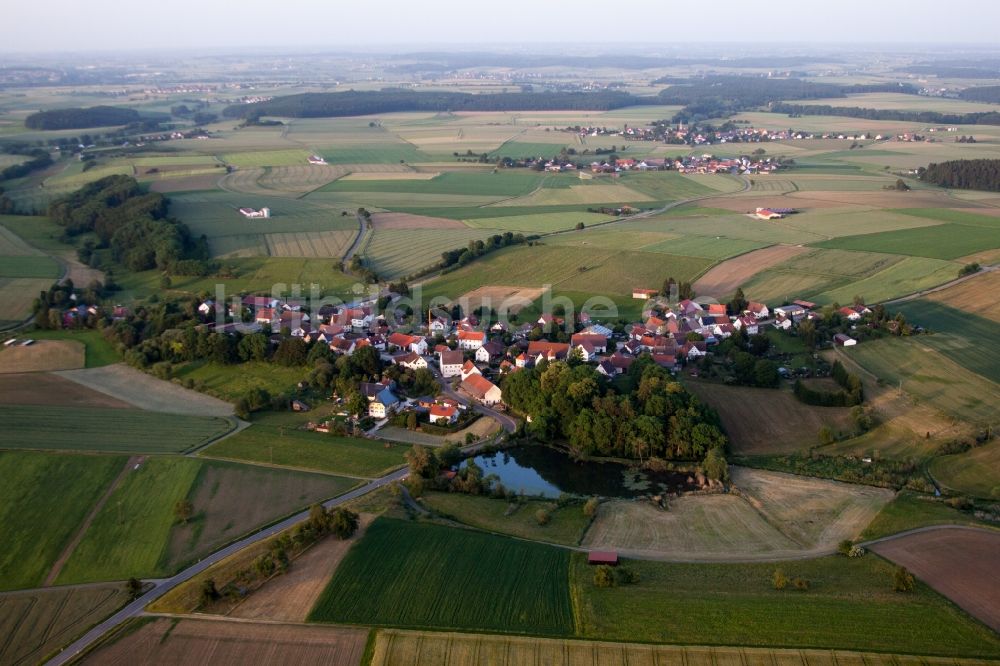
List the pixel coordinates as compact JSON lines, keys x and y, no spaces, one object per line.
{"x":541,"y":470}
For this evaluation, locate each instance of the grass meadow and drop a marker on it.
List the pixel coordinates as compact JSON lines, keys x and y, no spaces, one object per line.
{"x":43,"y":500}
{"x":967,"y":339}
{"x":909,"y":510}
{"x":849,"y":605}
{"x":975,"y":472}
{"x":943,"y":241}
{"x":418,"y":575}
{"x":275,"y":438}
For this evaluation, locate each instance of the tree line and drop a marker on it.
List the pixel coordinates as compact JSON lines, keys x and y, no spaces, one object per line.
{"x":77,"y":118}
{"x":927,"y":117}
{"x":132,"y":223}
{"x":359,"y":103}
{"x":851,"y":392}
{"x":964,"y":174}
{"x":990,"y":94}
{"x":650,"y":415}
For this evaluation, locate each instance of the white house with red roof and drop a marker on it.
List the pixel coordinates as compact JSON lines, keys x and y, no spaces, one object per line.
{"x":443,"y":414}
{"x":471,"y":340}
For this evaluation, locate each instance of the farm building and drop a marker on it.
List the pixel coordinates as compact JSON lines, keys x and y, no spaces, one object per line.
{"x":644,"y":294}
{"x":316,"y":159}
{"x":482,"y":389}
{"x":767,"y":214}
{"x":451,"y":363}
{"x":253,"y":213}
{"x":609,"y":557}
{"x":842,"y":340}
{"x":471,"y":340}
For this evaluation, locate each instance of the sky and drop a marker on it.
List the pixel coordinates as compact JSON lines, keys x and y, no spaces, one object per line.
{"x":209,"y":25}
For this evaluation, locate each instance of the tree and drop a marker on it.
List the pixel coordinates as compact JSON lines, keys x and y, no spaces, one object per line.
{"x":715,"y":465}
{"x":133,"y":588}
{"x":590,"y":507}
{"x":903,"y":580}
{"x":739,"y":302}
{"x":343,"y":523}
{"x":411,"y":421}
{"x":844,"y":547}
{"x":356,"y":403}
{"x":421,"y":461}
{"x":183,"y":510}
{"x":542,"y":517}
{"x":826,"y":436}
{"x":208,"y":592}
{"x":779,"y":579}
{"x":604,"y":576}
{"x":807,"y":331}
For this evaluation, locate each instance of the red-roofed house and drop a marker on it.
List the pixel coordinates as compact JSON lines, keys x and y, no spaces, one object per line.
{"x":443,"y":414}
{"x":471,"y":340}
{"x":482,"y":389}
{"x":468,"y":369}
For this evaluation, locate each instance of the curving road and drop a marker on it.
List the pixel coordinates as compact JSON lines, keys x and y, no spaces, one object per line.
{"x":160,"y":588}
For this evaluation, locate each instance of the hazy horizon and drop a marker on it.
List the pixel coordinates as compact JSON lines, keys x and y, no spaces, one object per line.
{"x":101,"y":26}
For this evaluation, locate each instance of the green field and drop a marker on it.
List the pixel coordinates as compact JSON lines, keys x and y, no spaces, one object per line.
{"x":99,"y":352}
{"x":943,"y":241}
{"x":506,"y":183}
{"x":975,"y":472}
{"x":276,"y":438}
{"x":43,"y":500}
{"x":583,"y":270}
{"x":930,"y":377}
{"x":909,"y":511}
{"x":910,"y":275}
{"x":231,"y":499}
{"x":566,"y":526}
{"x":672,"y":186}
{"x":102,"y":429}
{"x":396,"y":253}
{"x":231,"y":382}
{"x":262,"y":158}
{"x":411,"y":575}
{"x":967,"y":339}
{"x":28,"y":267}
{"x":715,"y":247}
{"x":540,"y":223}
{"x":850,"y":605}
{"x":130,"y":534}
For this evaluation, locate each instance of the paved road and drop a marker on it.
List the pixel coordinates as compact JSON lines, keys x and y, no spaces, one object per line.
{"x":135,"y":608}
{"x":506,"y":421}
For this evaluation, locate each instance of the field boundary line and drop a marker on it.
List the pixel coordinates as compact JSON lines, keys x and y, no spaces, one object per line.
{"x":81,"y":531}
{"x":988,"y":529}
{"x":293,"y":468}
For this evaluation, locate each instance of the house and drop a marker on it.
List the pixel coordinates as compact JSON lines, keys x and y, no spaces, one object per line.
{"x":604,"y":557}
{"x":206,"y":308}
{"x":598,"y":329}
{"x":383,"y":404}
{"x":299,"y":406}
{"x":471,"y":340}
{"x":445,"y":414}
{"x":644,"y":294}
{"x":410,"y":360}
{"x":521,"y":361}
{"x":853,"y":312}
{"x":482,"y":389}
{"x":598,"y":342}
{"x":440,"y":325}
{"x":342,"y":345}
{"x":317,"y":160}
{"x":413,"y":343}
{"x":606,"y":368}
{"x":252,"y":213}
{"x":371,"y":390}
{"x":359,"y":317}
{"x":491,"y":352}
{"x":550,"y":351}
{"x":758,"y":310}
{"x":468,"y":369}
{"x":265,"y":316}
{"x":748,"y":323}
{"x":451,"y":363}
{"x":842,"y":340}
{"x":694,"y":349}
{"x":667,"y":361}
{"x":791,"y":311}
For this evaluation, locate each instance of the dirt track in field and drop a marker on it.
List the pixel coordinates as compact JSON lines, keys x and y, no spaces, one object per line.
{"x":722,"y":280}
{"x":147,"y":392}
{"x":43,"y":356}
{"x":36,"y":388}
{"x":961,"y":564}
{"x":385,"y":221}
{"x":231,"y":643}
{"x":291,"y":596}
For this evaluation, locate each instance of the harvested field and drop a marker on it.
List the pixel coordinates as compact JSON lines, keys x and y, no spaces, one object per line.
{"x":395,"y":647}
{"x":146,"y":392}
{"x":509,"y":299}
{"x":314,"y":244}
{"x":291,"y":596}
{"x":43,"y":356}
{"x":960,"y":563}
{"x":757,"y":419}
{"x":386,"y":221}
{"x":722,"y":280}
{"x":876,"y":199}
{"x":35,"y":624}
{"x":977,"y":295}
{"x":46,"y":389}
{"x":386,"y":175}
{"x":17,"y":296}
{"x":225,"y":643}
{"x":770,"y":516}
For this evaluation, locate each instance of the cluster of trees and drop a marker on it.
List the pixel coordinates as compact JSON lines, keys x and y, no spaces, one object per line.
{"x":851,"y":393}
{"x":683,"y":290}
{"x":38,"y":158}
{"x":132,"y":223}
{"x":51,"y":302}
{"x":95,"y":116}
{"x":881,"y":472}
{"x":927,"y":117}
{"x":476,"y":249}
{"x":360,"y":103}
{"x":990,"y":94}
{"x":658,"y":418}
{"x":964,"y":174}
